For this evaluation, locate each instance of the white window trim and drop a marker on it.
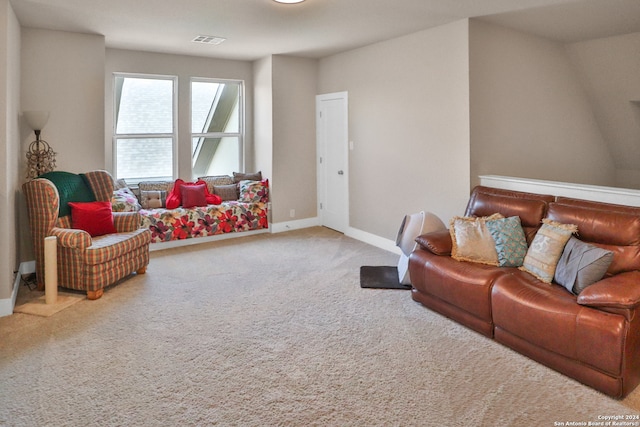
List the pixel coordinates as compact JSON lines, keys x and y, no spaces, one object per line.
{"x":241,"y":125}
{"x":173,"y":135}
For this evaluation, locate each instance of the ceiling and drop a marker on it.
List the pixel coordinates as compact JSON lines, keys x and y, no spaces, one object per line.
{"x":316,"y":28}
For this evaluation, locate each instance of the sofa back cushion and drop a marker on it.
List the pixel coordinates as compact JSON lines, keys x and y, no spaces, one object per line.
{"x":531,"y":208}
{"x":612,"y":227}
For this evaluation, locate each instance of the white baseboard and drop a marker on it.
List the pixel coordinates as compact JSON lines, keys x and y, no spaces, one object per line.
{"x":7,"y":304}
{"x":373,"y":240}
{"x":295,"y":225}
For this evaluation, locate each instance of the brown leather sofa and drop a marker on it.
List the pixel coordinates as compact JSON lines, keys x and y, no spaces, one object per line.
{"x":593,"y":337}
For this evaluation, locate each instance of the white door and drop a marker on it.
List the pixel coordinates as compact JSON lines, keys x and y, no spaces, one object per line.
{"x":333,"y":160}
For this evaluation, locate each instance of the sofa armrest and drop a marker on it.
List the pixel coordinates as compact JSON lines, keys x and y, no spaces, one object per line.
{"x":619,"y":292}
{"x":437,"y":242}
{"x":72,"y":238}
{"x":126,"y":221}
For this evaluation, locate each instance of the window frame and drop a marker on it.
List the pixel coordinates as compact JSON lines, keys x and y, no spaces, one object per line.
{"x":240,"y":134}
{"x":174,"y":132}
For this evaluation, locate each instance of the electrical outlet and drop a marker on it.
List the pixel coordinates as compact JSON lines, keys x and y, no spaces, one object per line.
{"x":292,"y":213}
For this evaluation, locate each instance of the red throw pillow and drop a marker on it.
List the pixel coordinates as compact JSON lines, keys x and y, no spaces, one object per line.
{"x":174,"y":199}
{"x":193,"y":195}
{"x":96,"y":218}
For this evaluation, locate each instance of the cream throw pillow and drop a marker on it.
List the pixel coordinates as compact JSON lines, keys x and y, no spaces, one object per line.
{"x":546,"y":248}
{"x":472,"y":240}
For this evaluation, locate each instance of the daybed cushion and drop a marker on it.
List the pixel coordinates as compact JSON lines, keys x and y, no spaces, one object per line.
{"x":178,"y":224}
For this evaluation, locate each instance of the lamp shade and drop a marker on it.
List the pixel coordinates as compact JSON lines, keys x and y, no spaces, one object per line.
{"x":36,"y":120}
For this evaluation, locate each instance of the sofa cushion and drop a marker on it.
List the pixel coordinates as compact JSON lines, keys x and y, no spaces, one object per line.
{"x":529,"y":207}
{"x":464,"y":286}
{"x":96,"y":218}
{"x":510,"y":241}
{"x":606,"y":225}
{"x":545,"y":250}
{"x":471,"y":240}
{"x":548,"y":317}
{"x":581,"y":265}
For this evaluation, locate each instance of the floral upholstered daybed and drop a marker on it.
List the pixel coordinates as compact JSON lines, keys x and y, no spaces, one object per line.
{"x":213,"y":205}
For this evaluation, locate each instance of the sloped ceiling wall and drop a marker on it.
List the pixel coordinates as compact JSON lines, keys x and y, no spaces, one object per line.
{"x":609,"y":69}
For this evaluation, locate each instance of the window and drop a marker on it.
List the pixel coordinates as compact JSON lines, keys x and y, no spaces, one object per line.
{"x":145,"y":127}
{"x":217,"y":126}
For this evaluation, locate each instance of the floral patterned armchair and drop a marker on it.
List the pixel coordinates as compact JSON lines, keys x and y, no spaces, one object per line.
{"x":85,"y":263}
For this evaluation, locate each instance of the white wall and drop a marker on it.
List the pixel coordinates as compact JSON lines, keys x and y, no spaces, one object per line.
{"x":184,"y":67}
{"x":10,"y":159}
{"x":63,"y":73}
{"x":530,"y":116}
{"x":294,"y":138}
{"x":409,"y":121}
{"x":284,"y":118}
{"x":609,"y":68}
{"x":263,"y":115}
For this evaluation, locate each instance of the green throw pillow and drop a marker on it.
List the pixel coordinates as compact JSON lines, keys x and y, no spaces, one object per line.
{"x":71,"y":188}
{"x":511,"y":243}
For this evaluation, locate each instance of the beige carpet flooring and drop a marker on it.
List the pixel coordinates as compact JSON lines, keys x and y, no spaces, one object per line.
{"x":271,"y":330}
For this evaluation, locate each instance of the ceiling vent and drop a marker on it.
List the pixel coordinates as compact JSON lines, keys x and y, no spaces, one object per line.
{"x":209,"y":40}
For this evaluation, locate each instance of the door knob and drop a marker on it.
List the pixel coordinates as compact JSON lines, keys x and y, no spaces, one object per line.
{"x":340,"y":173}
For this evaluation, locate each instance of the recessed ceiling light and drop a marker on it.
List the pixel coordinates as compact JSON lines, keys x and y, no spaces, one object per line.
{"x":209,"y":40}
{"x":289,"y":1}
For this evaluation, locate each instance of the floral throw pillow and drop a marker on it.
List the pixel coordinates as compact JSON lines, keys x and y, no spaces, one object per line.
{"x":254,"y":191}
{"x":123,"y":200}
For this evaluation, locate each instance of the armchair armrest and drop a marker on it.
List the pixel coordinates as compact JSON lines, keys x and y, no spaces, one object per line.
{"x":618,"y":292}
{"x":438,"y":242}
{"x":126,"y":221}
{"x":72,"y":238}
